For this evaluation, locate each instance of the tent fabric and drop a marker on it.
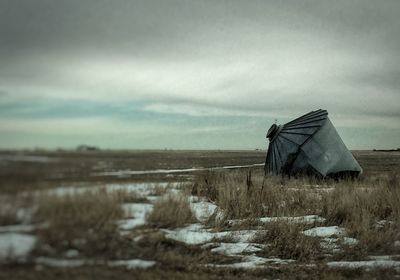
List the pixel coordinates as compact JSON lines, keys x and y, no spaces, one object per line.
{"x":310,"y":145}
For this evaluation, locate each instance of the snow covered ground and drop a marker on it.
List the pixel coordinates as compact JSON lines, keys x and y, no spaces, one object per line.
{"x":141,"y":189}
{"x":16,"y":246}
{"x":308,"y":219}
{"x":68,"y":263}
{"x":124,"y":173}
{"x":26,"y":158}
{"x":18,"y":241}
{"x":135,"y":214}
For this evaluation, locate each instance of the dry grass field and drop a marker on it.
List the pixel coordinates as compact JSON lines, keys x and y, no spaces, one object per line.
{"x":167,"y":215}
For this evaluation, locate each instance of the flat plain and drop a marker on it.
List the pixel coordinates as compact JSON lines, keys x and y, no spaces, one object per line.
{"x":168,"y":214}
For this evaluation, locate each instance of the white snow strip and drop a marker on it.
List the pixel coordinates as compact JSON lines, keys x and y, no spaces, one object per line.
{"x":350,"y":241}
{"x":65,"y":263}
{"x":22,"y":228}
{"x":245,"y":235}
{"x":308,"y":219}
{"x":27,"y":158}
{"x":203,"y":210}
{"x":233,"y":249}
{"x":365,"y":264}
{"x":16,"y":245}
{"x":62,"y":262}
{"x":325,"y":231}
{"x":253,"y":261}
{"x":17,"y":228}
{"x":138,"y":213}
{"x":332,"y":243}
{"x":170,"y":171}
{"x":71,"y":253}
{"x":24,"y":215}
{"x":141,"y":189}
{"x":197,"y":234}
{"x":250,"y":262}
{"x":133,"y":264}
{"x":193,"y":234}
{"x":385,"y":257}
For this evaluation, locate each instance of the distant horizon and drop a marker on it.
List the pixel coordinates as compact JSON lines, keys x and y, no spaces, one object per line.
{"x":38,"y":149}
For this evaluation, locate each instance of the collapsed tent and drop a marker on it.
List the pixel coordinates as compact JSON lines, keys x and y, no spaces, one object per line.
{"x":309,"y":145}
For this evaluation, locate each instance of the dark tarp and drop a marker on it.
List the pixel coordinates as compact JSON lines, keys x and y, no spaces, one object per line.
{"x":309,"y":145}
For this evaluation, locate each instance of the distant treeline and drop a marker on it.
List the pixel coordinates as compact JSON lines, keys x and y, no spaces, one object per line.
{"x":389,"y":150}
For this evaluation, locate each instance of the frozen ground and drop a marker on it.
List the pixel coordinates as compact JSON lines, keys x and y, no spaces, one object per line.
{"x":26,"y":158}
{"x":18,"y":241}
{"x":15,"y":245}
{"x":124,"y":173}
{"x":68,"y":263}
{"x":141,"y":189}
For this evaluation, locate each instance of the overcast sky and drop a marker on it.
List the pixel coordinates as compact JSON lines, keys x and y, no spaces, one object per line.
{"x":195,"y":74}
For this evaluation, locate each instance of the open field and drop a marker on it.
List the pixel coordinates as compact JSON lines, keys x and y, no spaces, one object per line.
{"x":164,"y":214}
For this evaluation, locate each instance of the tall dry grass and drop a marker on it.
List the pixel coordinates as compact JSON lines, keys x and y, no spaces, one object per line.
{"x":368,"y":208}
{"x":171,"y":211}
{"x":286,"y":240}
{"x":86,"y":222}
{"x":243,"y":196}
{"x":370,"y":213}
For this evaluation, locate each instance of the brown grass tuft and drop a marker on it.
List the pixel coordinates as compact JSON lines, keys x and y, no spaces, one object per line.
{"x":171,"y":211}
{"x":86,"y":222}
{"x":286,"y":240}
{"x":125,"y":196}
{"x":242,"y":195}
{"x":8,"y":215}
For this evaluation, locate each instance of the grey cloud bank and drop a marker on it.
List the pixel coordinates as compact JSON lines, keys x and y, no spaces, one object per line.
{"x":253,"y":60}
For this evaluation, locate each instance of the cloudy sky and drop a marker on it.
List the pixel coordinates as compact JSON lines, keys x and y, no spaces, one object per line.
{"x":195,"y":73}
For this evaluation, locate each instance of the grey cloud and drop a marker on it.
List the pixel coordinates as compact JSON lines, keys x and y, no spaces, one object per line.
{"x":280,"y":56}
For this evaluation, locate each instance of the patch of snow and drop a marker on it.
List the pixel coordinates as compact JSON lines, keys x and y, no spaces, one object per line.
{"x":138,"y":238}
{"x":17,"y":228}
{"x":65,"y":263}
{"x":325,"y":231}
{"x":152,"y":198}
{"x":27,"y":158}
{"x":279,"y":261}
{"x":250,"y":262}
{"x":22,"y":228}
{"x":133,"y":264}
{"x":332,"y":243}
{"x":396,"y":243}
{"x":141,"y":189}
{"x":193,"y":234}
{"x":384,"y":257}
{"x":308,"y":219}
{"x":71,"y":253}
{"x":16,"y":245}
{"x":138,"y":211}
{"x":233,"y":249}
{"x":24,"y":215}
{"x":62,"y":262}
{"x":382,"y":223}
{"x":365,"y":264}
{"x":170,"y":171}
{"x":203,"y":210}
{"x":350,"y":241}
{"x":197,"y":234}
{"x":244,"y":235}
{"x":253,"y":261}
{"x":220,"y":215}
